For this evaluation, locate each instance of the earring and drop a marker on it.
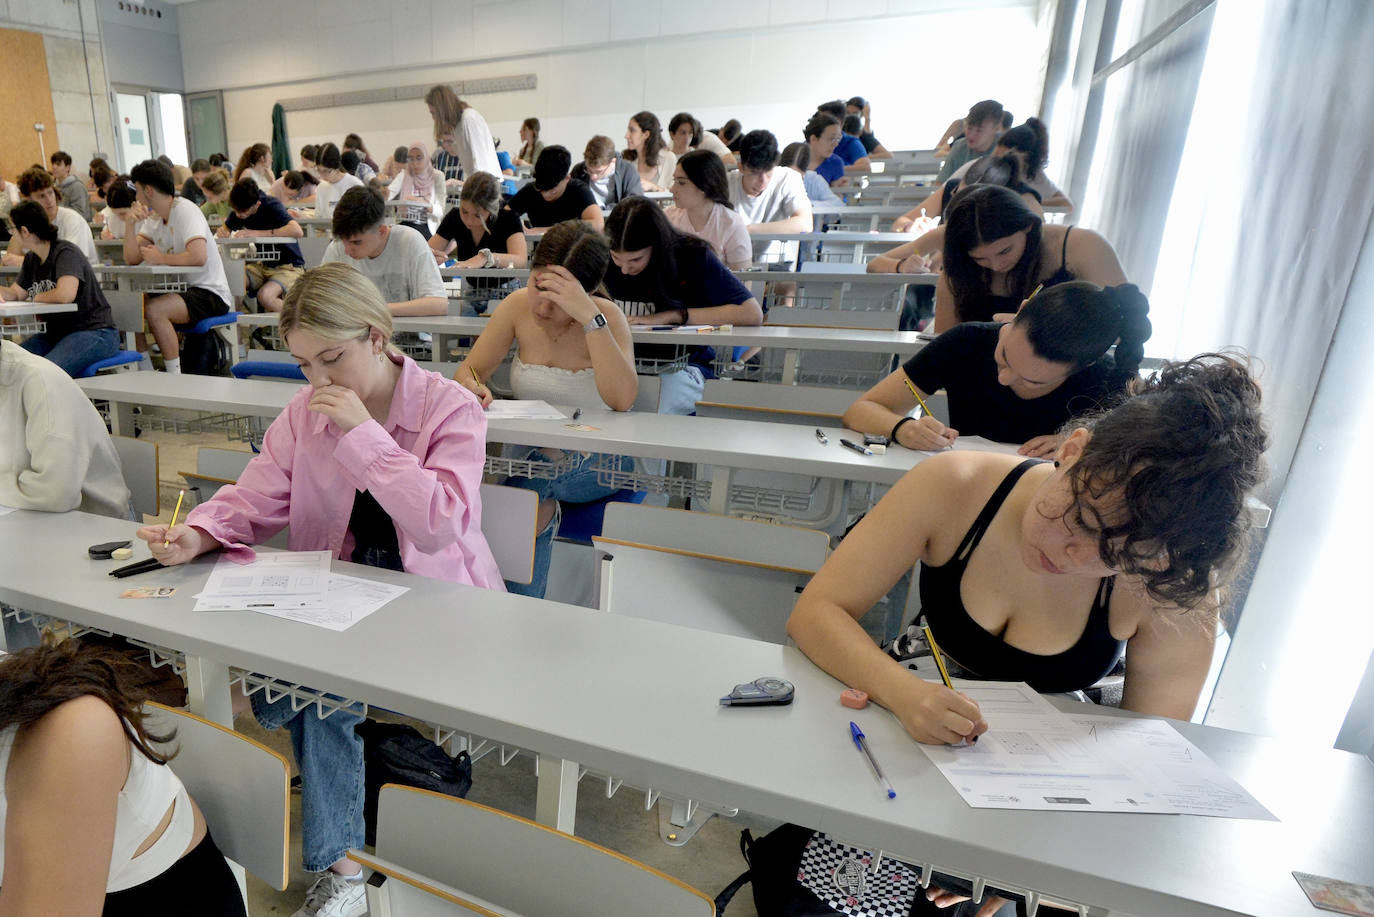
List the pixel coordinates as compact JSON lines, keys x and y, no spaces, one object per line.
{"x":1056,"y":464}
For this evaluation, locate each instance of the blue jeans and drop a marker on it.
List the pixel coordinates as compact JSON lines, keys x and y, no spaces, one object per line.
{"x":577,"y":485}
{"x":329,"y":755}
{"x":75,"y":351}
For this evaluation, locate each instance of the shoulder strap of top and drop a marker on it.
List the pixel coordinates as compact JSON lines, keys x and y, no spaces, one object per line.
{"x":999,"y":496}
{"x":1064,"y":250}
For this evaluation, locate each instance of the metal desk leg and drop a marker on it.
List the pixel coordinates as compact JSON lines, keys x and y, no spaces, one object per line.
{"x":555,"y":798}
{"x":207,"y":686}
{"x":790,"y":358}
{"x":720,"y":489}
{"x":121,"y":418}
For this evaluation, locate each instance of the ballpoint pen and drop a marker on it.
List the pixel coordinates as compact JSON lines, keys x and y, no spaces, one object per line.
{"x":861,"y":742}
{"x":820,"y":435}
{"x":862,"y":450}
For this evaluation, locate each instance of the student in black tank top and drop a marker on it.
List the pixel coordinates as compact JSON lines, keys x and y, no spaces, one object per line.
{"x":1148,"y":496}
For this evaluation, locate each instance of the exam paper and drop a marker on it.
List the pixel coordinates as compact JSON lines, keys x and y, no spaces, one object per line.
{"x":516,"y":409}
{"x":1034,"y":757}
{"x":278,"y":580}
{"x":349,"y":601}
{"x":1176,"y":769}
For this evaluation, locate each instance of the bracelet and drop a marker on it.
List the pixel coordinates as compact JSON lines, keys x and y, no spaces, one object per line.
{"x":892,"y":437}
{"x":686,"y":316}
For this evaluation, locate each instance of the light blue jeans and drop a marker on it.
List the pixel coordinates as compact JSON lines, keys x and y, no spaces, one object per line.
{"x":75,"y":351}
{"x":329,"y":755}
{"x":577,"y":485}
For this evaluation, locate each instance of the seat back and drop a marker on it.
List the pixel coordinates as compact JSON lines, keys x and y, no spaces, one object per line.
{"x":519,"y":865}
{"x":509,"y":517}
{"x":709,"y":572}
{"x":243,"y":788}
{"x":138,"y":460}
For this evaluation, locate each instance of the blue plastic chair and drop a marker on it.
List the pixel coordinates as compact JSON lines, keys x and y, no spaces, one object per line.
{"x":270,"y":369}
{"x":206,"y":324}
{"x":122,"y":358}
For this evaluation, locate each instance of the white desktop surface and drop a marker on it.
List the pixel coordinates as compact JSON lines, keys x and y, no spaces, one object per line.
{"x":590,"y":687}
{"x":703,"y":440}
{"x":24,"y":309}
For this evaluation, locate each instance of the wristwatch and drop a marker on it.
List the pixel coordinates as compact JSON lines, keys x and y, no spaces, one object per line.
{"x":596,"y":324}
{"x":488,"y":259}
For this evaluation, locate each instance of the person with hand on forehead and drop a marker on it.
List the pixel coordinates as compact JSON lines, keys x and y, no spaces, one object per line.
{"x":378,"y":462}
{"x":572,"y":348}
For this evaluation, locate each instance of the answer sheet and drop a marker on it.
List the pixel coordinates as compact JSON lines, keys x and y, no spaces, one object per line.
{"x":1034,"y":756}
{"x":276,"y":580}
{"x":350,"y":599}
{"x":514,"y":409}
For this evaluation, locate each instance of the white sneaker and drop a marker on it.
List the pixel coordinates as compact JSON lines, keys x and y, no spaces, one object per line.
{"x":334,"y":896}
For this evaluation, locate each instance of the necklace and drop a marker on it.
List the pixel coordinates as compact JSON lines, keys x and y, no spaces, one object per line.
{"x":554,"y":338}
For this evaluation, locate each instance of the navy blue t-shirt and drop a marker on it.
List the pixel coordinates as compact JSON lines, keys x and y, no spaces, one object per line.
{"x":962,"y":361}
{"x":271,"y":214}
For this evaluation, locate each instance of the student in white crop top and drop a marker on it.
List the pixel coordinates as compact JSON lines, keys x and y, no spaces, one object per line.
{"x":94,"y":821}
{"x":573,"y":349}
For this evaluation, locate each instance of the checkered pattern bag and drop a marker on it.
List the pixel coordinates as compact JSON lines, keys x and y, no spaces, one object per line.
{"x":797,"y":872}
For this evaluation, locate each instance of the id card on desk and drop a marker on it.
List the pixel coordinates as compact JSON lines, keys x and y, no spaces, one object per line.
{"x":1337,"y":896}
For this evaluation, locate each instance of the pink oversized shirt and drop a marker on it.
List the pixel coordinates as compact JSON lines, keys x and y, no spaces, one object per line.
{"x":424,"y":467}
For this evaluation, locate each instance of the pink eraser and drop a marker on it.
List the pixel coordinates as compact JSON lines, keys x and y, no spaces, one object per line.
{"x":853,"y":697}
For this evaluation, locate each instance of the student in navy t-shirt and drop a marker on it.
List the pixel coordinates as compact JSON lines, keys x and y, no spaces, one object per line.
{"x":660,"y":276}
{"x":255,"y":214}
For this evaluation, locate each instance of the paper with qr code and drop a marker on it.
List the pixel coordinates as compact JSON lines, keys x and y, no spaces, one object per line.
{"x":149,"y":592}
{"x":1337,"y":896}
{"x":278,"y":580}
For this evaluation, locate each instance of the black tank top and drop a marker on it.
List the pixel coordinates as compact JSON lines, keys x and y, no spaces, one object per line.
{"x":981,"y":308}
{"x":985,"y":655}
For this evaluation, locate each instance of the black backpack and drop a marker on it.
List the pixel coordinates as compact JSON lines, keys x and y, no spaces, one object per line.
{"x":395,"y":753}
{"x":798,"y":872}
{"x":206,"y":354}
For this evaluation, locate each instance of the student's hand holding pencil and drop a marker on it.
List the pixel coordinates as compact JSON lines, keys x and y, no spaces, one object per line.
{"x":175,"y":544}
{"x":936,"y":715}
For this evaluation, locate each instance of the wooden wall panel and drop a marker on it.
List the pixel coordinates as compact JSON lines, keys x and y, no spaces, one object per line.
{"x":25,"y":97}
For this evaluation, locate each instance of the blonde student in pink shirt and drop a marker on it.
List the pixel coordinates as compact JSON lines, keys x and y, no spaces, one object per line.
{"x":378,"y":462}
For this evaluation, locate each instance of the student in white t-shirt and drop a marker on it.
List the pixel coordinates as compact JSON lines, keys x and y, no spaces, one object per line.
{"x":686,"y":134}
{"x":462,"y":131}
{"x":176,"y":234}
{"x":771,"y":199}
{"x":702,"y":208}
{"x":395,"y":258}
{"x":334,"y":180}
{"x":37,"y":184}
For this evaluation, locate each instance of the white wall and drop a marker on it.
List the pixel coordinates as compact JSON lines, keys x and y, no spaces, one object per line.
{"x":69,"y":52}
{"x":143,"y":48}
{"x":599,"y":61}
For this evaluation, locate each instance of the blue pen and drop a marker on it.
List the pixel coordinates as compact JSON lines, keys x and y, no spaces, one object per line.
{"x":861,"y":742}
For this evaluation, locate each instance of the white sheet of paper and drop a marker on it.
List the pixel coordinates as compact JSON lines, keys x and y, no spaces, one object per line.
{"x":350,"y":600}
{"x":1034,"y":757}
{"x":1175,"y":768}
{"x":279,"y":580}
{"x":515,"y":409}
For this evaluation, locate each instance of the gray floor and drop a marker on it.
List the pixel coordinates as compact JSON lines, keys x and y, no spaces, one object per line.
{"x":708,"y":862}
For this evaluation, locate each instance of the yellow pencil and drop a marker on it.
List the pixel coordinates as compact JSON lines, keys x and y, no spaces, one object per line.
{"x":1033,"y":292}
{"x":167,"y":541}
{"x":475,"y":378}
{"x":919,"y":400}
{"x":939,"y":660}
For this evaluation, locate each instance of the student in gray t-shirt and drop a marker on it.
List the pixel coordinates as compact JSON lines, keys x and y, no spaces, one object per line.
{"x":395,"y":258}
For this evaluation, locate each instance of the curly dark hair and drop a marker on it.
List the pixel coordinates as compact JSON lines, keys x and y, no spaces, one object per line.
{"x":1181,"y":454}
{"x":34,"y":681}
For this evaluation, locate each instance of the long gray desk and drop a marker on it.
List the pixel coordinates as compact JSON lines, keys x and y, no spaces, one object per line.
{"x":791,"y":339}
{"x":723,"y":444}
{"x":578,"y":685}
